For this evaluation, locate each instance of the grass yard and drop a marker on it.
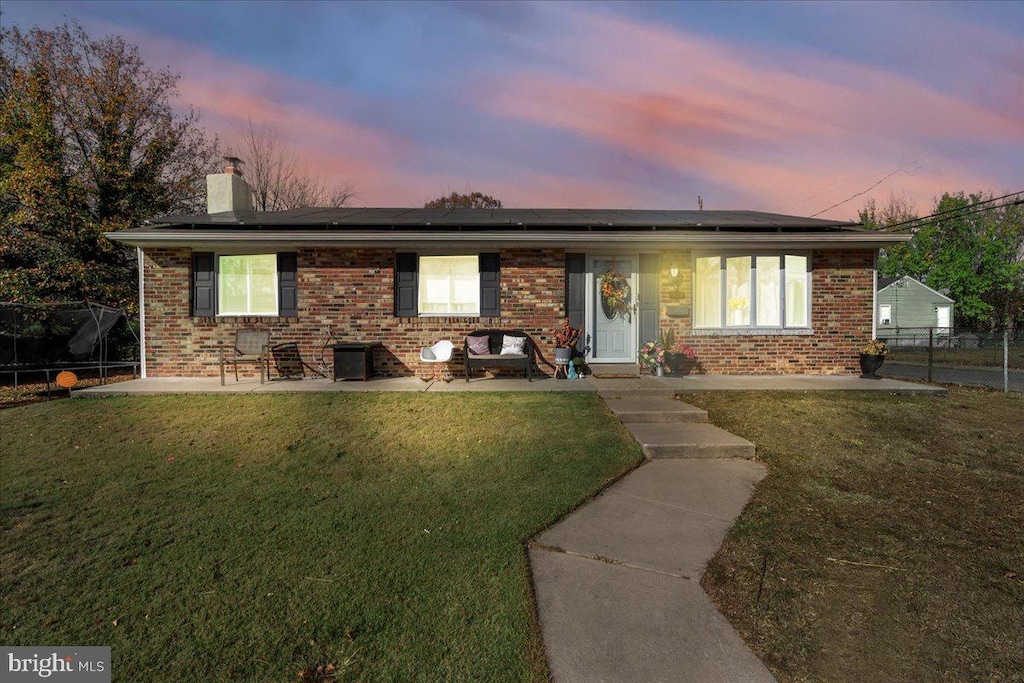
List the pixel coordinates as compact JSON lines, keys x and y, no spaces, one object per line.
{"x":249,"y":538}
{"x":886,"y":542}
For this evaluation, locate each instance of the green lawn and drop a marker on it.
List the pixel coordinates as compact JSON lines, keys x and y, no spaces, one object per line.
{"x":249,"y":538}
{"x":886,"y":542}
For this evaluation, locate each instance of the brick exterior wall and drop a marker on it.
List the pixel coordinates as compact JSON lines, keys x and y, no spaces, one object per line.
{"x":352,"y":291}
{"x":841,"y":316}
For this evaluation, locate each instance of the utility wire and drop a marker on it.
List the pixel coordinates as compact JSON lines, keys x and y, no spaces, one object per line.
{"x":879,"y":182}
{"x":960,"y":211}
{"x":938,"y":221}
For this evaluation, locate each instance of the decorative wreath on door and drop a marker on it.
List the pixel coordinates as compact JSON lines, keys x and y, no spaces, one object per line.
{"x":615,"y":294}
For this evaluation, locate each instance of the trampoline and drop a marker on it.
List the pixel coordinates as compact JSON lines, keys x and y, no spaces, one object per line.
{"x":47,"y":338}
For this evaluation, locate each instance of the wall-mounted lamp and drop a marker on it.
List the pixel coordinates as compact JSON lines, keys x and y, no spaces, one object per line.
{"x":675,"y":282}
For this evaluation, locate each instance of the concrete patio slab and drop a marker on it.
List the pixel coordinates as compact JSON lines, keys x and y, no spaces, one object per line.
{"x":667,"y":516}
{"x":618,"y":388}
{"x":688,"y":440}
{"x":512,"y":384}
{"x":605,"y":622}
{"x":691,"y":383}
{"x":211,"y":385}
{"x":655,"y":410}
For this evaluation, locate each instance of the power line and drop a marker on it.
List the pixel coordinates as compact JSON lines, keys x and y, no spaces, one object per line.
{"x":879,"y":182}
{"x":960,"y":211}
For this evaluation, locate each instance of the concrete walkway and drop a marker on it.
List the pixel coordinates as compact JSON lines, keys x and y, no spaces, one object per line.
{"x":617,"y":581}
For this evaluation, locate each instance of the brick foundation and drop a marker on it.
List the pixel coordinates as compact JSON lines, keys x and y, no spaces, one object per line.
{"x":351,"y":290}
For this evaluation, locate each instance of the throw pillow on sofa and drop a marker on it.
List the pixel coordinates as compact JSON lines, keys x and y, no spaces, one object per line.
{"x":511,"y":346}
{"x":478,"y":346}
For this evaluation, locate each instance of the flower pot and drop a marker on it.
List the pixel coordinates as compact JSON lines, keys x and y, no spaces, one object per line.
{"x":659,"y":371}
{"x":562,"y":356}
{"x":869,"y":364}
{"x":680,"y":363}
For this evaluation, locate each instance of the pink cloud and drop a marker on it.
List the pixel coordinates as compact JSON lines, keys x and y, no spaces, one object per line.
{"x":707,"y":109}
{"x":373,"y":159}
{"x":769,"y":131}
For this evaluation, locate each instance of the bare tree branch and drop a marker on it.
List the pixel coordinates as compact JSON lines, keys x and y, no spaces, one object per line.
{"x":277,"y":180}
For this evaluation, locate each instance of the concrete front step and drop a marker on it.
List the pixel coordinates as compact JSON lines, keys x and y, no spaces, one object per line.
{"x":633,"y":387}
{"x":688,"y":440}
{"x":615,"y":370}
{"x":655,"y":410}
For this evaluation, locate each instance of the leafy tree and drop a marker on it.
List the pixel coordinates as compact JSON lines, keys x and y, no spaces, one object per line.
{"x":977,"y":253}
{"x":278,"y":182}
{"x":474,"y":200}
{"x":90,"y":144}
{"x":902,"y":259}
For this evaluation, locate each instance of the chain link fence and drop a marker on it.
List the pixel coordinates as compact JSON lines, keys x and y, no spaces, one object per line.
{"x":982,"y":359}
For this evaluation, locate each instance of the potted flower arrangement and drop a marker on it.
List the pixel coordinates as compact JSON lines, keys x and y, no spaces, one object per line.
{"x":566,"y":337}
{"x":615,"y":293}
{"x":679,"y":356}
{"x":871,"y":358}
{"x":652,"y":356}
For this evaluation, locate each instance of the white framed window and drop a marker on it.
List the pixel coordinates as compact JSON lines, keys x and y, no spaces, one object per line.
{"x":754,"y":291}
{"x":247,"y":284}
{"x":885,"y":314}
{"x":449,"y":285}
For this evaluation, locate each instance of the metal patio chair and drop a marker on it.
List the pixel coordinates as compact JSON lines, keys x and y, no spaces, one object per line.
{"x":251,"y":346}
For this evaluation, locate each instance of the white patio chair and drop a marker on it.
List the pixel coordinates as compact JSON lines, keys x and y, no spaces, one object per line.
{"x":441,"y":352}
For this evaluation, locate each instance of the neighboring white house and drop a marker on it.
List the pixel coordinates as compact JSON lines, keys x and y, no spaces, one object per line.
{"x":906,"y":304}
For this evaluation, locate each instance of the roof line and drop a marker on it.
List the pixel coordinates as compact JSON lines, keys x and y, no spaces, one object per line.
{"x":914,"y":279}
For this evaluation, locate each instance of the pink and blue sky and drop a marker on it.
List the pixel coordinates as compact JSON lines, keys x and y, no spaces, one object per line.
{"x":777,"y":107}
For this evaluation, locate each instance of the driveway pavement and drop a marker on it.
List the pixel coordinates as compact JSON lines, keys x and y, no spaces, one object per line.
{"x":991,"y":378}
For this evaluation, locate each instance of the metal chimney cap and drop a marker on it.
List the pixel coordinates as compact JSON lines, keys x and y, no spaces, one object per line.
{"x":234,"y":165}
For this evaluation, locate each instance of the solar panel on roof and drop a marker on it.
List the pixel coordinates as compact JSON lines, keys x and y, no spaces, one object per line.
{"x":542,"y":218}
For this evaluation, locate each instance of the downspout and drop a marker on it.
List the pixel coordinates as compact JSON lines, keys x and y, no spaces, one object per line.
{"x":142,"y":312}
{"x":874,"y":295}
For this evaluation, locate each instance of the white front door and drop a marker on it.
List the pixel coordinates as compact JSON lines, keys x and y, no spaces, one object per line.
{"x":614,"y":336}
{"x":942,"y":316}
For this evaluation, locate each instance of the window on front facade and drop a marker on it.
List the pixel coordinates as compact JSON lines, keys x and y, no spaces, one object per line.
{"x":751,"y":291}
{"x":247,"y":284}
{"x":449,"y":285}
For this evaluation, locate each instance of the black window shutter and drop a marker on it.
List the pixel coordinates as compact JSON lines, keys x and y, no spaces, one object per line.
{"x":406,"y":285}
{"x":204,"y":284}
{"x":650,"y":306}
{"x":490,"y":285}
{"x":575,"y":291}
{"x":287,"y":284}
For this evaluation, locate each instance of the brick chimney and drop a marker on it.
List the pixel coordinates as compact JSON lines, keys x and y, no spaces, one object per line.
{"x":228,"y":191}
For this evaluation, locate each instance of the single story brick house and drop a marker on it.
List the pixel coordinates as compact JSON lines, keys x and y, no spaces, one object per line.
{"x":751,"y":292}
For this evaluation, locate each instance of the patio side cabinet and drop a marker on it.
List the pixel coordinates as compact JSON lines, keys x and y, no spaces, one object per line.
{"x":354,"y":360}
